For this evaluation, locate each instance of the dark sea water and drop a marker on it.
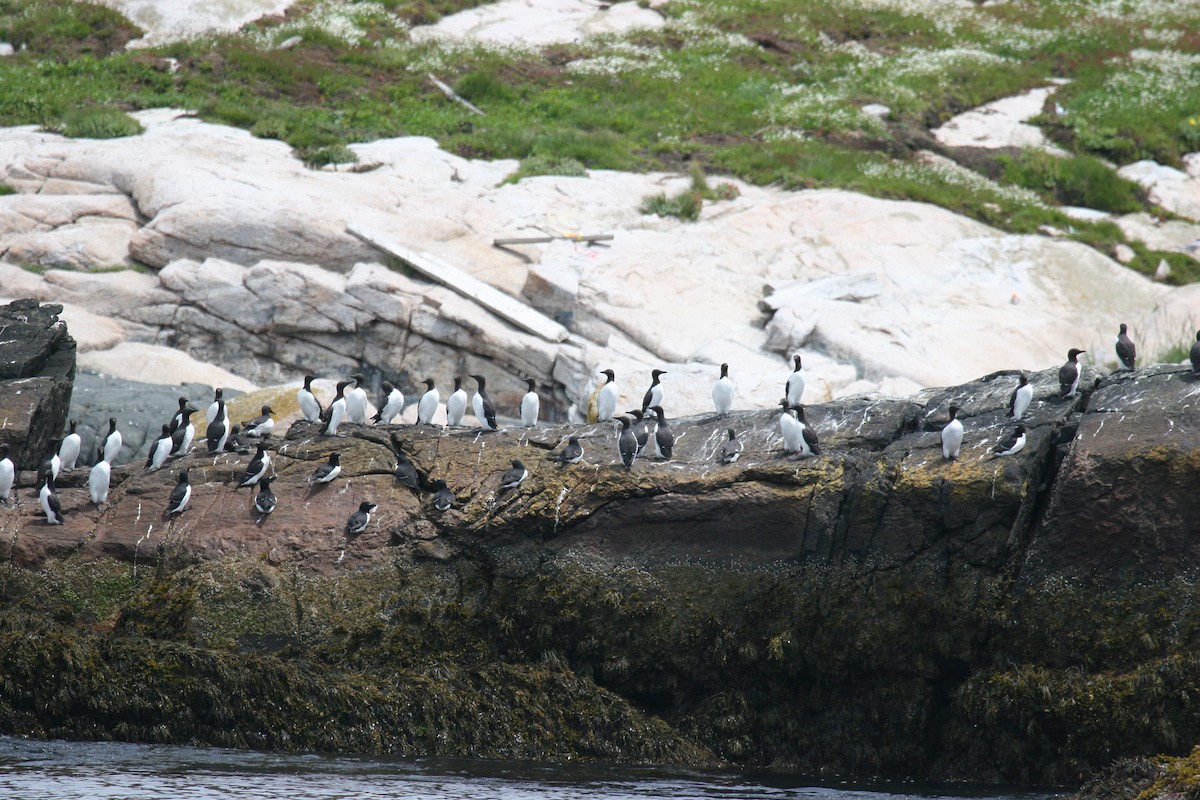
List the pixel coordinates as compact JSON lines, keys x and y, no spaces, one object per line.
{"x":39,"y":770}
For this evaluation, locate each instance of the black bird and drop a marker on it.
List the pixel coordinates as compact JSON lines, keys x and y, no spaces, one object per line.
{"x":359,"y":520}
{"x":406,"y":471}
{"x":514,"y":477}
{"x":1021,"y":397}
{"x":257,"y":468}
{"x":627,"y":442}
{"x":49,"y":500}
{"x":52,"y":463}
{"x":180,"y":495}
{"x":237,"y":442}
{"x":264,"y":501}
{"x":485,"y":412}
{"x":211,"y":413}
{"x":1126,"y":349}
{"x":664,"y":440}
{"x":184,"y":431}
{"x":328,"y":471}
{"x":1068,"y":374}
{"x":218,"y":429}
{"x":810,"y":436}
{"x":641,"y":430}
{"x":572,"y":453}
{"x":181,"y":415}
{"x":654,"y":395}
{"x":335,"y":415}
{"x":159,"y":450}
{"x":732,"y":448}
{"x":261,"y":425}
{"x":1194,"y":355}
{"x":443,"y":498}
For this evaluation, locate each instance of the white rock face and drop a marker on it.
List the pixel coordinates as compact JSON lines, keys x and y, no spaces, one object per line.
{"x":536,"y":23}
{"x":1001,"y":123}
{"x":170,"y":20}
{"x":1173,"y":189}
{"x":149,"y":363}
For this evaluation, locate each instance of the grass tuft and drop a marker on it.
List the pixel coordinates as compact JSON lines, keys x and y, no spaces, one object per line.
{"x":98,"y":122}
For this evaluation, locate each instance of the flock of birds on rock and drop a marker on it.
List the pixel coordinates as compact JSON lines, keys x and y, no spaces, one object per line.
{"x":350,"y":405}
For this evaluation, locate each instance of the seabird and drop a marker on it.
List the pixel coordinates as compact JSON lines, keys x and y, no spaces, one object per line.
{"x":406,"y":471}
{"x":793,"y":389}
{"x":68,"y":451}
{"x":1068,"y":374}
{"x":1022,"y":396}
{"x":1011,"y":444}
{"x":1126,"y":349}
{"x":952,"y":435}
{"x":53,"y":464}
{"x":99,"y":478}
{"x":722,"y":393}
{"x":159,"y":450}
{"x":356,"y":401}
{"x":1194,"y":355}
{"x":8,"y":474}
{"x":485,"y":412}
{"x":256,"y":470}
{"x":211,"y":413}
{"x":49,"y":501}
{"x":177,"y":503}
{"x":264,"y":501}
{"x":513,"y":477}
{"x":327,"y":472}
{"x":112,"y":441}
{"x":336,"y":413}
{"x":530,"y":404}
{"x":606,"y":402}
{"x":627,"y":442}
{"x":790,"y":429}
{"x":310,"y":407}
{"x":237,"y":441}
{"x":664,"y":440}
{"x":808,"y":437}
{"x":185,"y":432}
{"x":731,"y":449}
{"x":641,"y":430}
{"x":443,"y":498}
{"x":179,"y":416}
{"x":261,"y":425}
{"x":572,"y":453}
{"x":654,"y":395}
{"x":427,"y":406}
{"x":456,"y":404}
{"x":359,"y":520}
{"x":391,"y":405}
{"x":218,"y":429}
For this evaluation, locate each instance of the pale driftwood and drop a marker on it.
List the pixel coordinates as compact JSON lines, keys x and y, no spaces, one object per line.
{"x":455,"y":96}
{"x":505,"y":244}
{"x":491,"y":298}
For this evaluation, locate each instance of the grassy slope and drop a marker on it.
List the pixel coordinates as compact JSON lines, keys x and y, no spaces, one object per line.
{"x":765,"y":90}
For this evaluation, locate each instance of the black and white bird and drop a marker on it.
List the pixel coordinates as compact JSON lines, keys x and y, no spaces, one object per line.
{"x":427,"y":406}
{"x":49,"y":500}
{"x":513,"y":476}
{"x":99,"y":479}
{"x":159,"y":450}
{"x":664,"y":439}
{"x":1126,"y":349}
{"x":1194,"y":355}
{"x":530,"y":404}
{"x":359,"y":520}
{"x":654,"y":395}
{"x":356,"y":401}
{"x":793,"y":388}
{"x":732,"y":449}
{"x":606,"y":401}
{"x":952,"y":435}
{"x":456,"y":404}
{"x":1021,"y":397}
{"x":1011,"y":444}
{"x":443,"y":498}
{"x":335,"y":415}
{"x":184,"y":432}
{"x":260,"y":426}
{"x":627,"y":442}
{"x":1068,"y":374}
{"x":641,"y":429}
{"x":722,"y":393}
{"x":481,"y":404}
{"x":406,"y":471}
{"x":68,"y":451}
{"x":790,"y":429}
{"x":112,"y":441}
{"x":390,"y":405}
{"x":211,"y":413}
{"x":257,"y":469}
{"x":328,"y":472}
{"x":8,"y":474}
{"x":180,"y":415}
{"x":52,"y":463}
{"x":808,"y":437}
{"x":265,"y":501}
{"x":310,"y":407}
{"x":177,"y":503}
{"x":572,"y":453}
{"x":218,"y":429}
{"x":237,"y":442}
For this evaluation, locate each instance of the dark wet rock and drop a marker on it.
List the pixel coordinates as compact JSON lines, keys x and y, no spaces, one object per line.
{"x":37,"y":367}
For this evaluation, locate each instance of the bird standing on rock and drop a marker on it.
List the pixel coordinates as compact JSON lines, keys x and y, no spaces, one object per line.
{"x":8,"y":474}
{"x":356,"y":401}
{"x":513,"y":477}
{"x":654,"y":395}
{"x":732,"y":448}
{"x":722,"y":393}
{"x":98,"y":479}
{"x":359,"y":520}
{"x":952,"y":435}
{"x":265,"y":501}
{"x":1021,"y":397}
{"x":572,"y":453}
{"x":530,"y":404}
{"x":49,"y":501}
{"x":1068,"y":374}
{"x":256,"y":470}
{"x":177,"y":503}
{"x":68,"y":451}
{"x":427,"y":406}
{"x":443,"y":498}
{"x":218,"y":400}
{"x":112,"y":441}
{"x":641,"y":429}
{"x":793,"y":388}
{"x":185,"y":432}
{"x":627,"y":442}
{"x":808,"y":437}
{"x":485,"y":412}
{"x":391,"y":405}
{"x":218,"y":429}
{"x":260,"y":426}
{"x":456,"y":404}
{"x":1011,"y":444}
{"x":664,"y":439}
{"x":310,"y":407}
{"x":1126,"y":349}
{"x":1194,"y":355}
{"x":406,"y":471}
{"x":327,"y":472}
{"x":336,"y":413}
{"x":606,"y":401}
{"x":159,"y":450}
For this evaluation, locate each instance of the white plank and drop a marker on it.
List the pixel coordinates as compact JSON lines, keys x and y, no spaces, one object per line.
{"x":489,"y":297}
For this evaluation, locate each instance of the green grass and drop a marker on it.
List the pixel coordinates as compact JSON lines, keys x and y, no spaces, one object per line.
{"x":100,"y":122}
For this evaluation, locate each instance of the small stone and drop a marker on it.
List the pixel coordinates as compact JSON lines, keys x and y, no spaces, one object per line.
{"x":1123,"y":253}
{"x":1163,"y":271}
{"x":6,"y":49}
{"x":877,"y":110}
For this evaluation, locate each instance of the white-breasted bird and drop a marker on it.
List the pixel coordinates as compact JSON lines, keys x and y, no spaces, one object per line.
{"x":514,"y":476}
{"x":49,"y":500}
{"x":8,"y":474}
{"x":359,"y":520}
{"x":443,"y":497}
{"x":481,"y":404}
{"x":793,"y":388}
{"x":1194,"y":355}
{"x":356,"y":401}
{"x":257,"y":469}
{"x":952,"y":435}
{"x":664,"y":439}
{"x":310,"y":406}
{"x":335,"y":415}
{"x":328,"y":472}
{"x":732,"y":449}
{"x":572,"y":453}
{"x":177,"y":503}
{"x":68,"y":451}
{"x":112,"y":441}
{"x":1021,"y":397}
{"x":1068,"y":374}
{"x":260,"y":426}
{"x":530,"y":404}
{"x":390,"y":405}
{"x":606,"y":401}
{"x":427,"y":406}
{"x":1011,"y":444}
{"x":211,"y":413}
{"x":627,"y":443}
{"x":265,"y":501}
{"x":809,"y":445}
{"x":722,"y":393}
{"x":99,"y":479}
{"x":218,"y":429}
{"x":654,"y":395}
{"x":456,"y":404}
{"x":159,"y":450}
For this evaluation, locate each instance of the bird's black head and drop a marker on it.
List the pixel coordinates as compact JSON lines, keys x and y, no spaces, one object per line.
{"x":387,"y":386}
{"x":954,"y":411}
{"x":366,"y":507}
{"x":531,"y":383}
{"x":658,"y":412}
{"x":267,"y":411}
{"x":1024,"y":379}
{"x":308,"y":379}
{"x":517,"y":464}
{"x":796,"y":360}
{"x":457,"y":383}
{"x":1124,"y":327}
{"x":335,"y":458}
{"x":1020,"y":429}
{"x":636,"y":413}
{"x":655,"y":373}
{"x":1074,"y":353}
{"x":359,"y":379}
{"x":732,"y":435}
{"x":218,"y":394}
{"x":612,"y":376}
{"x":183,"y":476}
{"x":724,"y":370}
{"x":428,"y":383}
